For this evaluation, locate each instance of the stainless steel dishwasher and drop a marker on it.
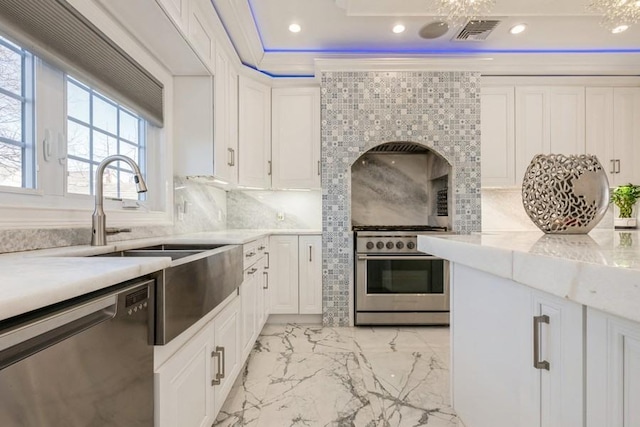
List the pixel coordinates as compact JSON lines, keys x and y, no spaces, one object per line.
{"x":86,"y":362}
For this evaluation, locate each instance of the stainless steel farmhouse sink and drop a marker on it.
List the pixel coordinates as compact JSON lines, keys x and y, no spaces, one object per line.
{"x":201,"y":277}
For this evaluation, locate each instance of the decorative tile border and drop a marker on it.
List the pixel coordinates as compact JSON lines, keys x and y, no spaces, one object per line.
{"x":360,"y":110}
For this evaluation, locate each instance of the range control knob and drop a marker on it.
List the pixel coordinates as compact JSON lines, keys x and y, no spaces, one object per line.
{"x":411,"y":245}
{"x":399,"y":245}
{"x":389,"y":245}
{"x":370,"y":245}
{"x":379,"y":245}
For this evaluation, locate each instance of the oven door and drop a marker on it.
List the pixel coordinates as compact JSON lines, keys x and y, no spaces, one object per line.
{"x":402,"y":283}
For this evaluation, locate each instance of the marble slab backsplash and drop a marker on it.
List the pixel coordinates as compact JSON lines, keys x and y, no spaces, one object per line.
{"x":502,"y":211}
{"x":260,"y":209}
{"x":204,"y":208}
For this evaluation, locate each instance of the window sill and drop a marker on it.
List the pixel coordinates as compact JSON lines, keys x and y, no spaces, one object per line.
{"x":21,"y":217}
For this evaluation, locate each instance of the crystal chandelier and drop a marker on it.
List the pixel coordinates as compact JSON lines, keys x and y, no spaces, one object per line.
{"x":617,"y":12}
{"x":459,"y":10}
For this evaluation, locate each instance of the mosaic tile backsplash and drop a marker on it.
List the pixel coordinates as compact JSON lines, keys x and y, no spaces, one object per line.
{"x":360,"y":110}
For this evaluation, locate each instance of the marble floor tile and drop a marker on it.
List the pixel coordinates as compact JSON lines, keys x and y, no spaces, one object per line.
{"x":301,"y":375}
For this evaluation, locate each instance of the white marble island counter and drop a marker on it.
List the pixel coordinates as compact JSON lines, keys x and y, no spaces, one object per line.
{"x":600,"y":269}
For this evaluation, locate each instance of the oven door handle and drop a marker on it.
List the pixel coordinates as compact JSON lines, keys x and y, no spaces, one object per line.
{"x":397,"y":257}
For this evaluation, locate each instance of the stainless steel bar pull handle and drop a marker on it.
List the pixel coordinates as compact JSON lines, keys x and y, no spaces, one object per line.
{"x":537,"y":363}
{"x":252,"y":271}
{"x":230,"y":153}
{"x":266,"y":280}
{"x":233,"y":157}
{"x":613,"y":166}
{"x":618,"y":165}
{"x":216,"y":355}
{"x":267,"y":265}
{"x":270,"y":167}
{"x":318,"y":167}
{"x":222,"y":364}
{"x":310,"y":253}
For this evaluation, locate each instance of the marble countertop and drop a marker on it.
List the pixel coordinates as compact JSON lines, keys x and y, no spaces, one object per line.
{"x":34,"y":279}
{"x":600,"y":269}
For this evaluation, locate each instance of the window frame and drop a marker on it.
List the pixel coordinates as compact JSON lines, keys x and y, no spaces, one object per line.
{"x":141,"y":145}
{"x":27,"y":100}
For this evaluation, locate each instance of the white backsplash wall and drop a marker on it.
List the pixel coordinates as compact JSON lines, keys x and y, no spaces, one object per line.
{"x":206,"y":210}
{"x":502,"y":211}
{"x":259,"y":209}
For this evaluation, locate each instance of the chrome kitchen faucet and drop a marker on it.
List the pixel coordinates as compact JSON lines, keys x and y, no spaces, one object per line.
{"x":99,"y":231}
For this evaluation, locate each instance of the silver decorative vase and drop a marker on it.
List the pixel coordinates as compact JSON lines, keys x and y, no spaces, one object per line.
{"x":565,"y":194}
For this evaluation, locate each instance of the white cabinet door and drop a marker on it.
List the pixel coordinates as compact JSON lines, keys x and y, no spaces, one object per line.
{"x":283,"y":277}
{"x":226,"y":104}
{"x":549,"y":120}
{"x":227,"y":352}
{"x":613,"y":371}
{"x":266,"y":288}
{"x":567,"y":120}
{"x":492,"y":378}
{"x":185,"y":395}
{"x":599,"y":127}
{"x":201,"y":31}
{"x":249,"y":300}
{"x":495,"y":382}
{"x":296,"y":137}
{"x":561,"y":344}
{"x":612,"y":131}
{"x":310,"y":274}
{"x":498,"y":136}
{"x":254,"y":133}
{"x":626,"y":131}
{"x":193,"y":130}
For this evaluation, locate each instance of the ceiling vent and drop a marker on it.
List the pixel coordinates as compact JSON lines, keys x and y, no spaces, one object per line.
{"x":476,"y":30}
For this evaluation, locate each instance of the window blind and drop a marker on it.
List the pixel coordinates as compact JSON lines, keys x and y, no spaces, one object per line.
{"x":55,"y":31}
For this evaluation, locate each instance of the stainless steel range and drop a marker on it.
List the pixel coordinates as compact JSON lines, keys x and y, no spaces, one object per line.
{"x":395,"y":283}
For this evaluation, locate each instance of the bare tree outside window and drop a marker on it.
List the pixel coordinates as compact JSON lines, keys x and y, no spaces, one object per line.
{"x":14,"y":139}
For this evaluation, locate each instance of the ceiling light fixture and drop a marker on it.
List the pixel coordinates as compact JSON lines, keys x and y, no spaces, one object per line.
{"x":517,"y":29}
{"x":398,"y":29}
{"x":617,"y":13}
{"x":620,"y":29}
{"x":464,"y":10}
{"x":294,"y":28}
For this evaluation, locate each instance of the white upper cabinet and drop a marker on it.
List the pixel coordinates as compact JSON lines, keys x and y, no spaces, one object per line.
{"x":296,"y":137}
{"x":201,"y":31}
{"x":178,"y":11}
{"x":549,"y":120}
{"x":613,"y":131}
{"x":254,"y":133}
{"x":498,"y":136}
{"x":225,"y":120}
{"x":193,"y":142}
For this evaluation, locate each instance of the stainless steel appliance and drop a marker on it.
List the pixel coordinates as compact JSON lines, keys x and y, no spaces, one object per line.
{"x":395,"y":283}
{"x":84,"y":362}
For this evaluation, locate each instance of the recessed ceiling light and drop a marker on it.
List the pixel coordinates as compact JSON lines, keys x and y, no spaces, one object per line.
{"x":517,"y":29}
{"x":294,"y":28}
{"x":619,"y":29}
{"x":398,"y":29}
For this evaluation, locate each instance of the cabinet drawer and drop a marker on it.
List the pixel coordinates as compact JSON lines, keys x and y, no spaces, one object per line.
{"x":254,"y":251}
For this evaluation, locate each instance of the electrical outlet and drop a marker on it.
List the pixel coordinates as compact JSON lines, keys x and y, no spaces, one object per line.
{"x":280,"y":216}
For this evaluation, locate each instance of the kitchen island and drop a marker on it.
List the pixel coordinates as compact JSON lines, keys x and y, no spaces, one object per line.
{"x":544,"y":328}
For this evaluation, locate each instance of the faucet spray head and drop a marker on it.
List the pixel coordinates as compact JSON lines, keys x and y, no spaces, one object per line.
{"x":141,"y":186}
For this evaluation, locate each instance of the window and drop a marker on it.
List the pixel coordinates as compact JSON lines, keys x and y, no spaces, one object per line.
{"x":17,"y":160}
{"x":98,"y":127}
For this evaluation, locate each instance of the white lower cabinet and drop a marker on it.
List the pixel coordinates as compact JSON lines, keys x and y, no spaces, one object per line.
{"x":194,"y":382}
{"x":296,"y":274}
{"x":494,"y":381}
{"x":613,"y":371}
{"x":248,"y":294}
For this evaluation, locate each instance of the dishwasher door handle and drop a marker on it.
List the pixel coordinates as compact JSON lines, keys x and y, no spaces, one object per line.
{"x":25,"y":340}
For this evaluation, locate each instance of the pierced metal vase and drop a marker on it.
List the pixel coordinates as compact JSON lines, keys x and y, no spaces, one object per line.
{"x":565,"y":194}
